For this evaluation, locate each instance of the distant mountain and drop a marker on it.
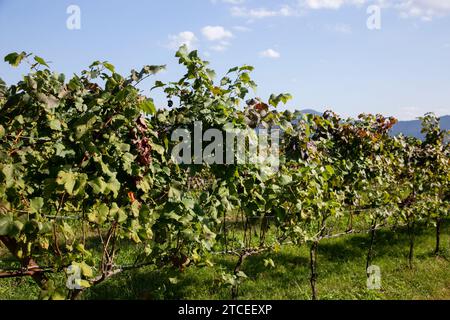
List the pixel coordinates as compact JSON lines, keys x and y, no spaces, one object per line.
{"x":413,"y":127}
{"x":311,"y":111}
{"x":408,"y":128}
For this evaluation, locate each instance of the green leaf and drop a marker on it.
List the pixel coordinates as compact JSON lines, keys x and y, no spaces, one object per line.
{"x":15,"y":58}
{"x":128,"y":160}
{"x":173,"y":215}
{"x":82,"y":129}
{"x":80,"y":184}
{"x":233,"y":70}
{"x":144,"y":185}
{"x":55,"y":125}
{"x":83,"y":283}
{"x":246,"y":68}
{"x":188,"y":203}
{"x":113,"y":186}
{"x":135,"y":208}
{"x":98,"y":185}
{"x":285,"y":98}
{"x":158,"y":84}
{"x":41,"y":61}
{"x":275,"y":100}
{"x":245,"y":77}
{"x":117,"y":213}
{"x":16,"y":227}
{"x":183,"y":54}
{"x":150,"y":70}
{"x":99,"y":213}
{"x":109,"y":66}
{"x":173,"y":280}
{"x":174,"y":194}
{"x":36,"y":204}
{"x":211,"y":73}
{"x":269,"y":263}
{"x":148,"y":106}
{"x":5,"y":224}
{"x":121,"y":216}
{"x":329,"y":169}
{"x":2,"y":86}
{"x":159,"y":149}
{"x":86,"y":270}
{"x":9,"y":227}
{"x":285,"y":179}
{"x":68,"y":179}
{"x":49,"y":101}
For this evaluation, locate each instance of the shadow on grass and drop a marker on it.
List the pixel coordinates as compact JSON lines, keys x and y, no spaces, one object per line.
{"x":391,"y":243}
{"x":155,"y":284}
{"x":291,"y":265}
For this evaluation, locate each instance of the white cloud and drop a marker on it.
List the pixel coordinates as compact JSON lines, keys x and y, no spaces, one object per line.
{"x":270,"y":53}
{"x":219,"y":35}
{"x":220,"y":46}
{"x":423,"y":9}
{"x":216,"y":33}
{"x":186,"y":37}
{"x":329,"y":4}
{"x":259,"y":13}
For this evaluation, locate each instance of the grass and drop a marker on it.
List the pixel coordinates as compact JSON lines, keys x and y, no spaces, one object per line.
{"x":341,"y":267}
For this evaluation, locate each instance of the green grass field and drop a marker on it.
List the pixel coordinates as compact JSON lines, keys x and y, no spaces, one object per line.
{"x":341,"y":274}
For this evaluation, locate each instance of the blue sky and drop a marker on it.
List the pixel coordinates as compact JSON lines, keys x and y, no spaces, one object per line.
{"x":321,"y":51}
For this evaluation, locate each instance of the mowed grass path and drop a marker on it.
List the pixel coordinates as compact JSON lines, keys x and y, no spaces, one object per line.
{"x":341,"y":268}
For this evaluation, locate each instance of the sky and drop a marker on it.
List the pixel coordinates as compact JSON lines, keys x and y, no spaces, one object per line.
{"x":350,"y":56}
